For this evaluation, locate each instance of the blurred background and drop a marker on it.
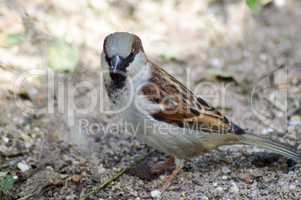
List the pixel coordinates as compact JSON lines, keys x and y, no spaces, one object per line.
{"x":244,"y":58}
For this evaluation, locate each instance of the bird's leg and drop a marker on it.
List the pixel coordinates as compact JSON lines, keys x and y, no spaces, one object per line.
{"x":160,"y":168}
{"x":168,"y":180}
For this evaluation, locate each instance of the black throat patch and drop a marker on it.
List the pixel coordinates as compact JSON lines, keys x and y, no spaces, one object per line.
{"x":119,"y":77}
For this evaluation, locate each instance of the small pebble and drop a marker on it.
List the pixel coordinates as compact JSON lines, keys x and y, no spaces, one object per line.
{"x":23,"y":166}
{"x":202,"y":197}
{"x":280,"y":3}
{"x":156,"y":194}
{"x":267,"y":131}
{"x":71,"y":197}
{"x":5,"y":139}
{"x":76,"y":179}
{"x":292,"y":187}
{"x":248,"y":179}
{"x":234,"y":188}
{"x":101,"y":169}
{"x":263,"y":57}
{"x":226,"y":170}
{"x":219,"y":190}
{"x":215,"y":62}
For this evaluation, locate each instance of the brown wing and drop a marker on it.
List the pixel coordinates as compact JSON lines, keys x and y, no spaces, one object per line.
{"x":179,"y":106}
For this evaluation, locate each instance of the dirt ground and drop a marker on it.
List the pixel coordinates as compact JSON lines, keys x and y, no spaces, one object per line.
{"x":246,"y":63}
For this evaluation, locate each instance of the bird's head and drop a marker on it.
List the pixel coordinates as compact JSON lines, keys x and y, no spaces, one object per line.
{"x":122,"y":55}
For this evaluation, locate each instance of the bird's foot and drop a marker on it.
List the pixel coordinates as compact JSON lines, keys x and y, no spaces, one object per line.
{"x":168,"y":180}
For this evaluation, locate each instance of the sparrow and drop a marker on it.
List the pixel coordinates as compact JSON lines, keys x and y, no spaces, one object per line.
{"x":163,"y":113}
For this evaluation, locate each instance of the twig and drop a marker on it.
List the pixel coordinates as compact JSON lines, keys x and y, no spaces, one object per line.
{"x":27,"y":196}
{"x":102,"y":186}
{"x":271,"y":73}
{"x":13,"y":155}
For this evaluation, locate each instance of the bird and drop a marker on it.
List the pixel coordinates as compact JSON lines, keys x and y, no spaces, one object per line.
{"x":165,"y":114}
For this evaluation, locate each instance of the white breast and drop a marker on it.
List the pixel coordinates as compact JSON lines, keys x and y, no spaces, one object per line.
{"x":165,"y":137}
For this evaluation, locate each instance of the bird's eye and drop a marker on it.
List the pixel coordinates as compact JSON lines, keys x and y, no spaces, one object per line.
{"x":131,"y":56}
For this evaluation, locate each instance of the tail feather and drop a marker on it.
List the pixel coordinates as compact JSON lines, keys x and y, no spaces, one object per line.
{"x":268,"y":144}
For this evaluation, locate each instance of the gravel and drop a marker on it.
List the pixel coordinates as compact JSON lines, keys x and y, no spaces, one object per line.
{"x":50,"y":156}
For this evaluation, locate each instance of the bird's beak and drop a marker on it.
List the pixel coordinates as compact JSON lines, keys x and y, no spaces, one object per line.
{"x":116,"y":63}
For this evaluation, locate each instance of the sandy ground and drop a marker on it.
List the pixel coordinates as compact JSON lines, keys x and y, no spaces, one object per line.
{"x":223,"y":51}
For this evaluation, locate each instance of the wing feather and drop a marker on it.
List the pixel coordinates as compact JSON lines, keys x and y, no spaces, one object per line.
{"x":181,"y":107}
